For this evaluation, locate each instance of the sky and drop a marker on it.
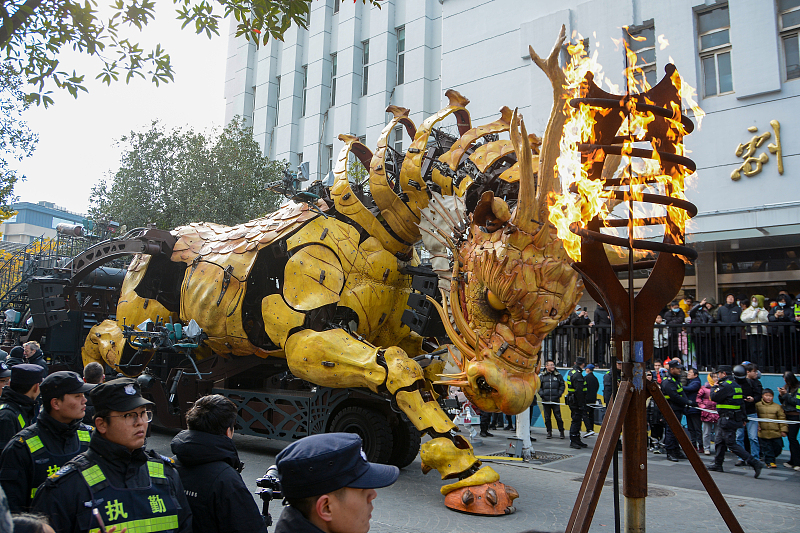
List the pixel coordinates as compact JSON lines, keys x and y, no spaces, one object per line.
{"x":76,"y":146}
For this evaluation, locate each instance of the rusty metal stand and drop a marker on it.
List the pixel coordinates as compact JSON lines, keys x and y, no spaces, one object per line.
{"x":633,"y":314}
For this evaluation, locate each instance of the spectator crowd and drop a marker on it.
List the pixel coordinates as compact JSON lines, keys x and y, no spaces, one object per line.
{"x":703,"y":334}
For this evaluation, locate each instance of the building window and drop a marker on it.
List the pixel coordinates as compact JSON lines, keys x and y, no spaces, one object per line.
{"x":299,"y":158}
{"x":642,"y":41}
{"x":565,"y":54}
{"x":365,"y":63}
{"x":277,"y":98}
{"x":789,"y":19}
{"x":254,"y":106}
{"x":401,"y":54}
{"x":334,"y":69}
{"x":398,"y":139}
{"x":335,"y":6}
{"x":305,"y":89}
{"x":329,"y":149}
{"x":715,"y":51}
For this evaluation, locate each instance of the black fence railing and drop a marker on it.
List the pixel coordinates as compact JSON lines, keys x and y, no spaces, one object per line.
{"x":774,"y":346}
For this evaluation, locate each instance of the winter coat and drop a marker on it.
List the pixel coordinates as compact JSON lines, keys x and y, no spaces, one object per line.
{"x":730,"y":313}
{"x":750,"y":387}
{"x":293,"y":521}
{"x":209,"y":468}
{"x":756,"y":315}
{"x":674,"y":318}
{"x":691,"y":389}
{"x":660,"y":336}
{"x":553,"y":386}
{"x":704,"y":402}
{"x":582,"y":331}
{"x":62,"y":497}
{"x":601,"y":317}
{"x":17,"y":404}
{"x":790,"y":401}
{"x":781,"y":323}
{"x":771,"y":430}
{"x":592,"y":386}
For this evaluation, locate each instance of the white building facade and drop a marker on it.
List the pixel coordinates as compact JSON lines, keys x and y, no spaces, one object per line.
{"x":742,"y":56}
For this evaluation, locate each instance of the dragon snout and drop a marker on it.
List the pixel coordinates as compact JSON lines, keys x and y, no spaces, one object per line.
{"x":493,"y":388}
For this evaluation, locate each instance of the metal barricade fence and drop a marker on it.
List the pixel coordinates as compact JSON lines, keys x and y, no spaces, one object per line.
{"x":774,"y":346}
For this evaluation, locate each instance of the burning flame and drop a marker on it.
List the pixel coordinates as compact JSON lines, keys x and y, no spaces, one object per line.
{"x":582,"y":199}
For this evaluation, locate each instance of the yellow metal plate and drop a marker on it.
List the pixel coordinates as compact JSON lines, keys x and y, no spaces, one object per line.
{"x":423,"y":414}
{"x":279,"y":318}
{"x":313,"y":278}
{"x":442,"y":454}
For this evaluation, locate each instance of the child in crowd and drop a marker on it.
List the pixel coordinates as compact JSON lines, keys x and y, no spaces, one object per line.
{"x":770,"y":434}
{"x":710,"y":420}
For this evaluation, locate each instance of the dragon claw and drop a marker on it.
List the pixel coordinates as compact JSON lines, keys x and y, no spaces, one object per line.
{"x":489,"y":499}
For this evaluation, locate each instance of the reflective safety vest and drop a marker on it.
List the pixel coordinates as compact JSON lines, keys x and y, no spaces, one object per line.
{"x":47,"y":463}
{"x":20,"y":419}
{"x":570,"y":386}
{"x":148,"y":509}
{"x":736,"y":401}
{"x":678,"y":383}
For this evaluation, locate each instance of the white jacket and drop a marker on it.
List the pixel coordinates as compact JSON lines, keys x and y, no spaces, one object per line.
{"x":660,"y":336}
{"x":755,"y":315}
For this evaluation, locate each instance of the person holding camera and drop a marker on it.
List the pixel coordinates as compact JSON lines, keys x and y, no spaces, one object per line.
{"x":329,"y":485}
{"x":210,"y":470}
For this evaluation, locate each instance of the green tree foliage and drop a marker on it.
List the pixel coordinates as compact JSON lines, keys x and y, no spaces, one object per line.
{"x":16,"y":139}
{"x":34,"y":32}
{"x":171,"y":178}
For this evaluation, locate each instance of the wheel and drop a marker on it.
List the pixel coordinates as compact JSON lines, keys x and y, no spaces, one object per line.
{"x":371,"y":426}
{"x":406,"y":443}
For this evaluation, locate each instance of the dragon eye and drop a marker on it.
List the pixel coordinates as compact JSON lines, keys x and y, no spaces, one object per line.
{"x":494,"y":301}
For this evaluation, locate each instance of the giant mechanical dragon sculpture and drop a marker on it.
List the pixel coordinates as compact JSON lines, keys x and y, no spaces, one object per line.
{"x":324,"y":285}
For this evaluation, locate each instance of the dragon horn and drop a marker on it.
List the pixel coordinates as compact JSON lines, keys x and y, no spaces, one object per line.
{"x":525,"y":216}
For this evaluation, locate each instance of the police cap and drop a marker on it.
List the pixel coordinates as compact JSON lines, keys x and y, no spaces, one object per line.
{"x":26,"y":374}
{"x":320,"y":464}
{"x":121,"y":394}
{"x":675,"y":363}
{"x":725,"y":368}
{"x":65,"y":382}
{"x":4,"y":370}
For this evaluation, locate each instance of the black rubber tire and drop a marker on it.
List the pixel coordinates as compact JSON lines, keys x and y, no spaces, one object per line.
{"x":406,"y":439}
{"x":371,"y":426}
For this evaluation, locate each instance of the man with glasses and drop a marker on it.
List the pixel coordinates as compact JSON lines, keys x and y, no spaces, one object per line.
{"x":116,"y":480}
{"x":43,"y":448}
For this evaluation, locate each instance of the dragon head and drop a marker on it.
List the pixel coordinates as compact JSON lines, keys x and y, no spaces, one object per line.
{"x":511,"y":281}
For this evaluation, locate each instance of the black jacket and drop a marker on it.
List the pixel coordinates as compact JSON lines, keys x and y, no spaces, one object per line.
{"x":16,"y":404}
{"x":577,"y":383}
{"x":675,"y":394}
{"x":730,"y":313}
{"x":209,"y":468}
{"x":592,"y":386}
{"x":601,"y":317}
{"x":63,"y":495}
{"x":553,"y":386}
{"x":38,"y":359}
{"x":674,"y":318}
{"x":292,"y":521}
{"x":582,"y":331}
{"x":751,"y":387}
{"x":691,"y":389}
{"x":17,"y":473}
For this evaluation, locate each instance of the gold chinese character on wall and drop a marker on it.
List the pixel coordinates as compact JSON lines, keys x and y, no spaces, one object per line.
{"x":752,"y":165}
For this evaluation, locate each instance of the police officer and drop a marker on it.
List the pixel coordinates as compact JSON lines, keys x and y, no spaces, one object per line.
{"x":18,"y":401}
{"x":576,"y":400}
{"x":5,"y":375}
{"x":730,"y":406}
{"x":329,"y":485}
{"x":127,"y":485}
{"x":44,"y":447}
{"x":673,"y":392}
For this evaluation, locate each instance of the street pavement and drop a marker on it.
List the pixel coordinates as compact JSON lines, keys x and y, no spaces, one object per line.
{"x":548,"y":489}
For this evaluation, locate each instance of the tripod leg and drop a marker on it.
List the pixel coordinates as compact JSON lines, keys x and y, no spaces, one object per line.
{"x":592,"y":485}
{"x":699,"y":468}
